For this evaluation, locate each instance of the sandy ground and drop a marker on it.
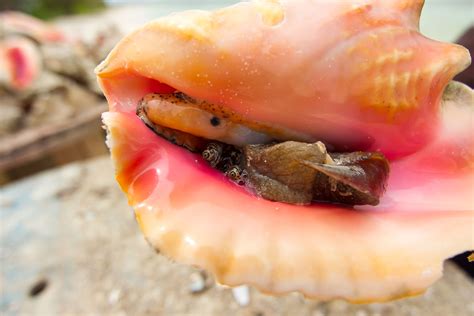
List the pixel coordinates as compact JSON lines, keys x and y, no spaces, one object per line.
{"x":70,"y":246}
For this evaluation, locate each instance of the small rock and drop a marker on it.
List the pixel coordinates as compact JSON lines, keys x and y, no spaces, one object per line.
{"x":241,"y":295}
{"x":114,"y":296}
{"x":198,"y":282}
{"x":38,"y":287}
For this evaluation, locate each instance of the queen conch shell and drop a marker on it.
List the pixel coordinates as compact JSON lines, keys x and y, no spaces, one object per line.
{"x":355,"y":74}
{"x":20,"y":63}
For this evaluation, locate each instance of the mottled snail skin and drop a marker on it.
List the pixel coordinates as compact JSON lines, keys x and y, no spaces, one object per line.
{"x":181,"y":112}
{"x":188,"y":141}
{"x":337,"y":69}
{"x":300,"y":173}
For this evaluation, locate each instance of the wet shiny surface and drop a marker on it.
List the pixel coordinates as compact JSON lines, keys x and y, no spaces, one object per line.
{"x":197,"y":216}
{"x":354,"y":89}
{"x":194,"y":215}
{"x":102,"y":258}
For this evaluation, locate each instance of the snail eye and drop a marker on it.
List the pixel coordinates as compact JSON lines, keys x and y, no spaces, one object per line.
{"x":215,"y":121}
{"x":207,"y":155}
{"x":234,"y":173}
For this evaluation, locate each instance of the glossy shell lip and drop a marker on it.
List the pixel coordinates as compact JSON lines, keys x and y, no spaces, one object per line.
{"x":193,"y":215}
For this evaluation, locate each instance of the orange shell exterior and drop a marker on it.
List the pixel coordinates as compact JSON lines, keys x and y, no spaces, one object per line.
{"x":355,"y":74}
{"x":352,"y":72}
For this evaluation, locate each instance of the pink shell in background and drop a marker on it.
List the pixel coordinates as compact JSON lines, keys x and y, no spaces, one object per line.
{"x":20,"y":63}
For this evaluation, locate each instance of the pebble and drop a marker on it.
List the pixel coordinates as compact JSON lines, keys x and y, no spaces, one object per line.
{"x":114,"y":296}
{"x":198,"y":282}
{"x":241,"y":295}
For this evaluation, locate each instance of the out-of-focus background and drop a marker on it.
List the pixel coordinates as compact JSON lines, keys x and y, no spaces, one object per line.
{"x":69,"y":243}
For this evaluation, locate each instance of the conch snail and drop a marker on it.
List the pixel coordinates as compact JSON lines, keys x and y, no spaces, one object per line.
{"x":354,"y":75}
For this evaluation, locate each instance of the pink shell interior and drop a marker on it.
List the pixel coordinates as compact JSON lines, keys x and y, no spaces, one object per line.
{"x":194,"y":215}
